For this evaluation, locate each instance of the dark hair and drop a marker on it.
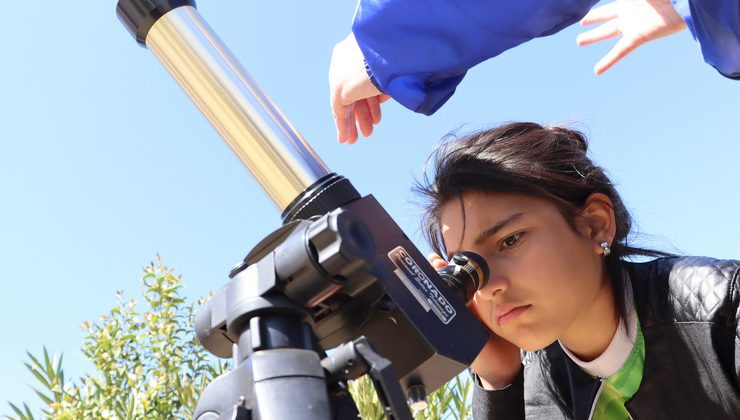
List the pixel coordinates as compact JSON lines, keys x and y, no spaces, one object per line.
{"x":526,"y":158}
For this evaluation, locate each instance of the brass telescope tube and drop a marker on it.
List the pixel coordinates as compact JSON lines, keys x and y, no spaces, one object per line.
{"x":277,"y":156}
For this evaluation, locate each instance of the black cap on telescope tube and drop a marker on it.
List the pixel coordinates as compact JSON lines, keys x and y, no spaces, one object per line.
{"x":139,"y":15}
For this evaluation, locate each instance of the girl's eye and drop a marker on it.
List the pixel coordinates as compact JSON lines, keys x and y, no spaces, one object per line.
{"x":511,"y":240}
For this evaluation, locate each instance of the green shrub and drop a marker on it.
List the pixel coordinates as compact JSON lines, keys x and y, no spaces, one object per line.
{"x":449,"y":402}
{"x":148,"y":364}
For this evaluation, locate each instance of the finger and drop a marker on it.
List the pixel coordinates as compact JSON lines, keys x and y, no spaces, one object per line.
{"x":351,"y":128}
{"x":383,"y":97}
{"x":363,"y":118}
{"x":341,"y":115}
{"x":342,"y":126}
{"x":374,"y":106}
{"x":436,"y":261}
{"x":620,"y":50}
{"x":601,"y":14}
{"x":606,"y":31}
{"x":437,"y":264}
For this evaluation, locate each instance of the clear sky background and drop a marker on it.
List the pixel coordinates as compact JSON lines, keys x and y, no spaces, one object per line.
{"x":104,"y":162}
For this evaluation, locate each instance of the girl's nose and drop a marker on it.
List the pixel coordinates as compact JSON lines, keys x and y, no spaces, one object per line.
{"x":498,"y":283}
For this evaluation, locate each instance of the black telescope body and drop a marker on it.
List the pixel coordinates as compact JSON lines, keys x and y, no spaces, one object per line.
{"x":338,"y":269}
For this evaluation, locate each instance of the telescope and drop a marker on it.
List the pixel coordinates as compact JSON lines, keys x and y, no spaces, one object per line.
{"x":338,"y":290}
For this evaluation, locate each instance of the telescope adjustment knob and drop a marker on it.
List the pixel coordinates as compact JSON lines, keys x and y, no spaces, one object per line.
{"x":341,"y":244}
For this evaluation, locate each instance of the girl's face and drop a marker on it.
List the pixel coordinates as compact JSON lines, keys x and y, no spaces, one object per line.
{"x":546,"y":279}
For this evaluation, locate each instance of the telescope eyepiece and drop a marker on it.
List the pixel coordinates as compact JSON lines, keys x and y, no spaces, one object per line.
{"x":466,"y":273}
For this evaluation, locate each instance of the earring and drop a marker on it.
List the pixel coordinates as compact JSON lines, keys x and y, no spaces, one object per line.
{"x":605,"y":247}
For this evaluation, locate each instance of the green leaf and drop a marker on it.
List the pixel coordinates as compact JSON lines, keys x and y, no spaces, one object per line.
{"x":16,"y":409}
{"x":48,"y":365}
{"x":35,"y":361}
{"x":41,"y":395}
{"x":28,"y":412}
{"x":39,"y":376}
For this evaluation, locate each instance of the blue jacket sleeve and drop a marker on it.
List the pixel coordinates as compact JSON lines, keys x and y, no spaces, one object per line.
{"x":715,"y":24}
{"x":418,"y":51}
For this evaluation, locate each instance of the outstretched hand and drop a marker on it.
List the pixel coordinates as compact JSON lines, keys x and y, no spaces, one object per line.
{"x":355,"y":101}
{"x":637,"y":21}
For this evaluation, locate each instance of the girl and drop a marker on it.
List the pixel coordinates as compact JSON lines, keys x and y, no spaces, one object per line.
{"x":577,"y":330}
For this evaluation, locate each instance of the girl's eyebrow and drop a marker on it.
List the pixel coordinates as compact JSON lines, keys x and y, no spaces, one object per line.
{"x":491,"y":231}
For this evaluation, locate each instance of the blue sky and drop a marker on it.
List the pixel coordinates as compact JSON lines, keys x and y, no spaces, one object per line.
{"x":104,"y":162}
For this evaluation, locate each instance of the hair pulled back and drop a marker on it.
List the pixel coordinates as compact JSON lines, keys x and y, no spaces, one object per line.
{"x":525,"y":158}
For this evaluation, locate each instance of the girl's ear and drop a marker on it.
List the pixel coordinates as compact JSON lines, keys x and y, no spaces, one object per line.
{"x":597,"y":220}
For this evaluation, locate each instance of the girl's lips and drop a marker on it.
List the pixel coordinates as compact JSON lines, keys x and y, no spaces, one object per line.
{"x":511,"y":315}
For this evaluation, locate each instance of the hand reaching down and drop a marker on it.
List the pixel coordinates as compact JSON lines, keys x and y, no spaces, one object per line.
{"x":355,"y":101}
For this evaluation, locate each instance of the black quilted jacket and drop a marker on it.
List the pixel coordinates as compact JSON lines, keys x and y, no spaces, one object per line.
{"x":688,"y":311}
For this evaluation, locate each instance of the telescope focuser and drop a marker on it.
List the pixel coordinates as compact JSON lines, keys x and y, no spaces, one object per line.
{"x":466,"y":273}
